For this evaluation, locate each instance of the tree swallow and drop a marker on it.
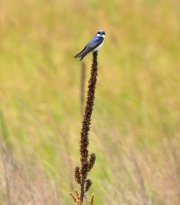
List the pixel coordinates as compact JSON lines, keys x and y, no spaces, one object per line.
{"x":94,"y":45}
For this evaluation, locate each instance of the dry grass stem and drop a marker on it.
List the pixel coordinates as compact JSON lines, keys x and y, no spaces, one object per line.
{"x":76,"y":197}
{"x":92,"y":200}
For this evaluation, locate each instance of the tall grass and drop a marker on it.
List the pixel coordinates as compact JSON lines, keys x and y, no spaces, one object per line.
{"x":136,"y":129}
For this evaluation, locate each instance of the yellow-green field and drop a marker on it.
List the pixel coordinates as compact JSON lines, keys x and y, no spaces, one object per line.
{"x":135,"y":129}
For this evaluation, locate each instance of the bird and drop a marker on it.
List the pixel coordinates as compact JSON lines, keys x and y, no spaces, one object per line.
{"x":94,"y":45}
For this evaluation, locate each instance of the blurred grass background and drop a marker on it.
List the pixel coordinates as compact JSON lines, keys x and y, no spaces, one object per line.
{"x":136,"y":121}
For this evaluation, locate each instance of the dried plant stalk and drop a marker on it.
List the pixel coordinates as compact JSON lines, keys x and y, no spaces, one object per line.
{"x":86,"y":164}
{"x":82,"y":86}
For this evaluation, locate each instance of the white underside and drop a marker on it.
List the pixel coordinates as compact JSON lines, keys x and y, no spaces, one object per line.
{"x":97,"y":48}
{"x":101,"y":35}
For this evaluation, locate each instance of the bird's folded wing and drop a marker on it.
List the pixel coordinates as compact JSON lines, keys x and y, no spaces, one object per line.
{"x":90,"y":46}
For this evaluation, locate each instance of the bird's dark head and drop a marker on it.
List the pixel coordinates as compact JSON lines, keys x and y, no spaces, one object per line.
{"x":101,"y":33}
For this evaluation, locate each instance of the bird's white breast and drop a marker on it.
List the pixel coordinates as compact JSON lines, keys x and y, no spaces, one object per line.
{"x":97,"y":48}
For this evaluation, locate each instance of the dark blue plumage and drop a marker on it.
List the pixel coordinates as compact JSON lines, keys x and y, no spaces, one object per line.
{"x":93,"y":45}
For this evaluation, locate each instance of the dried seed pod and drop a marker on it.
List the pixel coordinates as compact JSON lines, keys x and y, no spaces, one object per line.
{"x":77,"y":175}
{"x":91,"y":161}
{"x":88,"y":185}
